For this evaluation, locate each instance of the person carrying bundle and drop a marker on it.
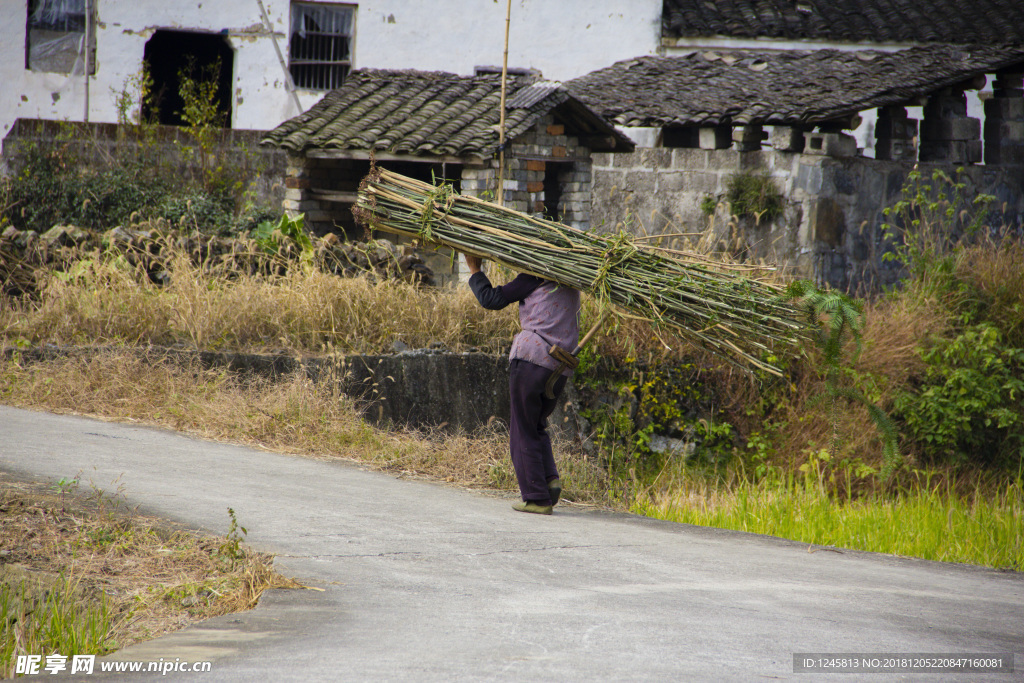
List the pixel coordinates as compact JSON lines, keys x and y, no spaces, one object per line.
{"x":549,"y":317}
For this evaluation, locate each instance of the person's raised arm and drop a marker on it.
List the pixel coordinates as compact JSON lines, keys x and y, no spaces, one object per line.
{"x":496,"y":298}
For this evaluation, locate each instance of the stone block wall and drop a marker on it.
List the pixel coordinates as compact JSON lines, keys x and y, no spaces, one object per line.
{"x":421,"y":389}
{"x":98,"y":144}
{"x":830,"y":230}
{"x":948,"y":134}
{"x":1004,"y":120}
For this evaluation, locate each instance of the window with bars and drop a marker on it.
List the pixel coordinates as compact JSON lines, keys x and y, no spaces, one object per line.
{"x":56,"y":37}
{"x":320,"y":50}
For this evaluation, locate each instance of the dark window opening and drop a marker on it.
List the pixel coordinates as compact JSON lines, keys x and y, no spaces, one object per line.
{"x":427,"y":172}
{"x":337,"y":194}
{"x":683,"y":136}
{"x":553,"y":190}
{"x":320,"y":46}
{"x":55,"y":35}
{"x":172,"y":55}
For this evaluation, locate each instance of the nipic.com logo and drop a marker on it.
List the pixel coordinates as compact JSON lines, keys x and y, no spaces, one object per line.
{"x":31,"y":665}
{"x":34,"y":665}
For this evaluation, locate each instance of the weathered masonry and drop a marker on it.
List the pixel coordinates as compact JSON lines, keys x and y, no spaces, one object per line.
{"x":434,"y":125}
{"x":718,"y":115}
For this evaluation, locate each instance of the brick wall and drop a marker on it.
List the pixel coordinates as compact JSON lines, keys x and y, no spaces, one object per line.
{"x":306,"y":177}
{"x":537,"y":154}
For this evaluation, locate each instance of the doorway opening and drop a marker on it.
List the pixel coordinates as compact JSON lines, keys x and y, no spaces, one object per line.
{"x":173,"y":55}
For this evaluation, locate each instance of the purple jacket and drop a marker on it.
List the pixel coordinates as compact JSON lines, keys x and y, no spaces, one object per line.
{"x":548,"y":314}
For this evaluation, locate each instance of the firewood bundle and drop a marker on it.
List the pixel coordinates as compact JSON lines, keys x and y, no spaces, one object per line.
{"x":723,"y":310}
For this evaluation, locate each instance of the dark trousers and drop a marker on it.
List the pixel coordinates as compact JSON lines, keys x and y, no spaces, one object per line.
{"x":528,"y":437}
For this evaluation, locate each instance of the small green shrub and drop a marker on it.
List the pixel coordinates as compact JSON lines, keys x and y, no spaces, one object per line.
{"x":839,"y":319}
{"x":708,"y":205}
{"x":230,"y":552}
{"x":198,"y":210}
{"x":930,"y":222}
{"x":755,"y":195}
{"x":967,"y":409}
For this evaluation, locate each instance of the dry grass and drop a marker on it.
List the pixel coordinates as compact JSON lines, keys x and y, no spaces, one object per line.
{"x":994,"y":271}
{"x":894,"y":329}
{"x":105,"y":300}
{"x":150,"y":578}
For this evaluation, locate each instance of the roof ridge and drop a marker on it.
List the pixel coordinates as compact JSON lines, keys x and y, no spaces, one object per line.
{"x":867,"y":21}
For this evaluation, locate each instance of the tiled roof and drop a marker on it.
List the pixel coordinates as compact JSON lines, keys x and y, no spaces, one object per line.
{"x":871,"y":21}
{"x":434,"y":114}
{"x":776,"y":87}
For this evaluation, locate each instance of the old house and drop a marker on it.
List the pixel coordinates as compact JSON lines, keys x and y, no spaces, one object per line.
{"x":433,"y":125}
{"x":789,"y":115}
{"x":850,"y":25}
{"x":67,"y":60}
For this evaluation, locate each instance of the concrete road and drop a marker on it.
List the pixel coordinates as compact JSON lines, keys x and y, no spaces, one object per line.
{"x":424,"y":582}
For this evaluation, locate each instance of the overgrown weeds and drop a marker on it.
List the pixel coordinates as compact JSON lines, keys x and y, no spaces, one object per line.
{"x":86,"y":574}
{"x":192,"y":179}
{"x":104,"y":299}
{"x":933,"y":368}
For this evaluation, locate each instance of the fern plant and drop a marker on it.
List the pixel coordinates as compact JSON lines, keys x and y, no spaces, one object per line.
{"x":840,"y":319}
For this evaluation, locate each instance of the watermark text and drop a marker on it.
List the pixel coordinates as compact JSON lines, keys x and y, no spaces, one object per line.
{"x":35,"y":665}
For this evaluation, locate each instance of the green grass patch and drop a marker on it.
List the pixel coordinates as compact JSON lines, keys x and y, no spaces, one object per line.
{"x":54,"y":618}
{"x":932,"y":523}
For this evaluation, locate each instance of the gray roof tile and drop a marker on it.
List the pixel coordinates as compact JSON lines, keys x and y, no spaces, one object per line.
{"x":777,"y":87}
{"x":431,"y":114}
{"x":869,"y":21}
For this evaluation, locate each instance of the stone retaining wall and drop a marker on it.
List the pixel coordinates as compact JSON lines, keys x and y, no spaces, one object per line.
{"x":830,"y":230}
{"x":419,"y":389}
{"x":97,"y":144}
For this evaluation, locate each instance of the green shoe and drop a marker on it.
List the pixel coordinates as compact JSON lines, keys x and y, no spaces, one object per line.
{"x":535,"y":508}
{"x":555,"y":489}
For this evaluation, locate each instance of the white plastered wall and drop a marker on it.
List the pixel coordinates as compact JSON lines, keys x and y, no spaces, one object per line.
{"x":563,"y":39}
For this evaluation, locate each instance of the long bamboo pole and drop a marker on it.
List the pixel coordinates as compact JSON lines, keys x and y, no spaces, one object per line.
{"x":501,"y":122}
{"x":87,"y":57}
